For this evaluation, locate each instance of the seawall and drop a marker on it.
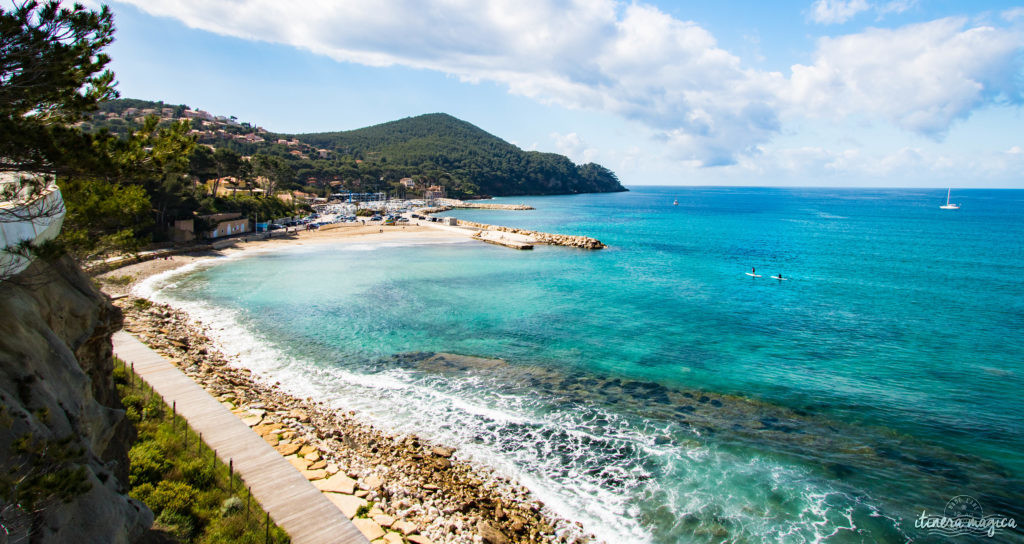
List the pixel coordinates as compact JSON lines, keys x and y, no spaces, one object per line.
{"x":582,"y":242}
{"x":451,"y":203}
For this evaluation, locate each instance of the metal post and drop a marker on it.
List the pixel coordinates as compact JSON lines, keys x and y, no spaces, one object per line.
{"x":231,"y":475}
{"x":174,"y":415}
{"x":248,"y":499}
{"x":266,"y":539}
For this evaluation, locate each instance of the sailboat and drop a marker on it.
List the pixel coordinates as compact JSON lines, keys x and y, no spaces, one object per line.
{"x":949,"y":206}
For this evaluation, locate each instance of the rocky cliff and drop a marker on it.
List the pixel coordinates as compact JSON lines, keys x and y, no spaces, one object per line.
{"x":64,"y":439}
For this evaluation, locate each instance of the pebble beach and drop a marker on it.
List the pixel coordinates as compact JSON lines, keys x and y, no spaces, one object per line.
{"x":395,"y":488}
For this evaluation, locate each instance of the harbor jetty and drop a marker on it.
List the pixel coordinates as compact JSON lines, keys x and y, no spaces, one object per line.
{"x":582,"y":242}
{"x":514,"y":241}
{"x":453,"y":203}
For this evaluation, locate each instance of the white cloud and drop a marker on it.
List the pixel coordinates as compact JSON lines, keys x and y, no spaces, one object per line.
{"x":840,"y":11}
{"x":639,"y":63}
{"x":1013,"y":14}
{"x":921,"y":77}
{"x":572,"y":145}
{"x":895,"y":6}
{"x":836,"y":11}
{"x":824,"y":165}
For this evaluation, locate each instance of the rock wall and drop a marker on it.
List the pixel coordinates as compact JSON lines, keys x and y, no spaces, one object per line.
{"x":582,"y":242}
{"x":64,"y":439}
{"x":455,"y":203}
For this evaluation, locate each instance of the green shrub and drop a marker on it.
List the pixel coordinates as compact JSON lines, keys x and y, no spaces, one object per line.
{"x":119,"y":280}
{"x":364,"y":510}
{"x":174,"y":496}
{"x":141,"y":303}
{"x":148,"y":463}
{"x":142,"y":492}
{"x":154,"y":407}
{"x":132,"y":401}
{"x":182,"y":526}
{"x":198,"y":473}
{"x":233,"y":529}
{"x":132,"y":414}
{"x":120,"y":375}
{"x":231,"y":505}
{"x":186,"y":489}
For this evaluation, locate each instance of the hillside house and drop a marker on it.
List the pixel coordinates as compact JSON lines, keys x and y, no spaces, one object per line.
{"x":408,"y":183}
{"x":434,"y":191}
{"x":197,"y":114}
{"x":184,"y":231}
{"x":227,"y":224}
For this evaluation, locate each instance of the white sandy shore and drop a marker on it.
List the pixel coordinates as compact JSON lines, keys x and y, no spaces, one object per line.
{"x":121,"y":280}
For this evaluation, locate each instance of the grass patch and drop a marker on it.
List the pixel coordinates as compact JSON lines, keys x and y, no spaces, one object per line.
{"x":119,"y":280}
{"x":181,"y":480}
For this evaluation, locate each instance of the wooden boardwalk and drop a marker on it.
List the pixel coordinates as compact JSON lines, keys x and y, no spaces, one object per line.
{"x":294,"y":503}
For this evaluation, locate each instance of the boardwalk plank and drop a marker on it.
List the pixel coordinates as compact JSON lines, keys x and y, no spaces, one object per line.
{"x":293,"y":502}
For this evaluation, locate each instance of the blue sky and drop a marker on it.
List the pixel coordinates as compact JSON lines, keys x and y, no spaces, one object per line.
{"x":813,"y":92}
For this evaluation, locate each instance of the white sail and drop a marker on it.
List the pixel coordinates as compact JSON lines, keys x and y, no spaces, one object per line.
{"x":949,"y":206}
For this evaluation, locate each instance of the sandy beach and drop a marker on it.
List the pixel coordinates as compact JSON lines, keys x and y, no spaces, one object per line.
{"x":398,"y":486}
{"x":120,"y":281}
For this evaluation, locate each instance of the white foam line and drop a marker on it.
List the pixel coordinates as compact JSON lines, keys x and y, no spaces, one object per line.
{"x":270,"y":364}
{"x":378,"y":396}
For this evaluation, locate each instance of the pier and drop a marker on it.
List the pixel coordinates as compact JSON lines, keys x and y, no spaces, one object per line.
{"x":514,"y":241}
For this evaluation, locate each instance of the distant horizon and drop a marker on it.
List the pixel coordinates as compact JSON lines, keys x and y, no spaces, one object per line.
{"x":832,"y":188}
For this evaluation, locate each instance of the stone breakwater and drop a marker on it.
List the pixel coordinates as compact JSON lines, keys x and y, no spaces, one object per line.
{"x":454,"y":203}
{"x":582,"y":242}
{"x":395,"y":488}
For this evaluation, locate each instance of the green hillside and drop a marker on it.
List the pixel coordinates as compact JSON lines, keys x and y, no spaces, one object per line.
{"x":460,"y":150}
{"x":433,"y":149}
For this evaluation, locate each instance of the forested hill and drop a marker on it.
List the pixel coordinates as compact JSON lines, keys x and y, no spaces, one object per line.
{"x":440,"y":142}
{"x":433,"y":149}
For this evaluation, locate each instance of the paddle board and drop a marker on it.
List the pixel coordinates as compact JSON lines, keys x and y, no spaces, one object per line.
{"x":754,"y":275}
{"x":778,"y":278}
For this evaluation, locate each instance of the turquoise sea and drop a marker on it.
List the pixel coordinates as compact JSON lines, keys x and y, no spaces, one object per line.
{"x":655,"y":392}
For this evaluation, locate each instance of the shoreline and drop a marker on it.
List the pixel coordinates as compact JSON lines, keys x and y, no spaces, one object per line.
{"x":338,"y":233}
{"x":415,"y":486}
{"x":119,"y":281}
